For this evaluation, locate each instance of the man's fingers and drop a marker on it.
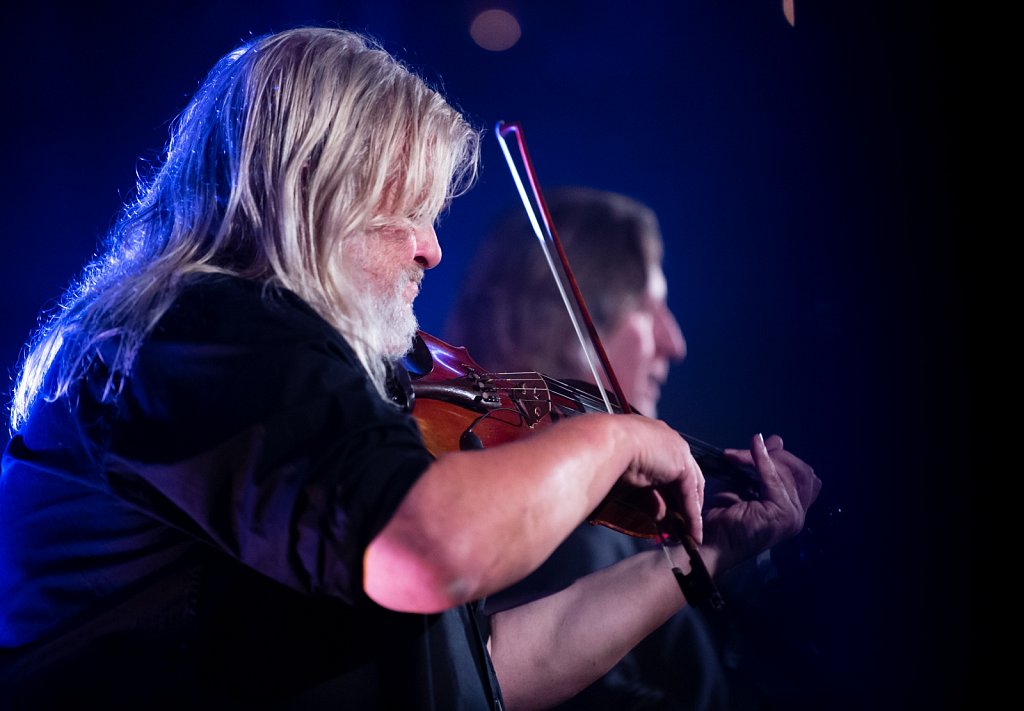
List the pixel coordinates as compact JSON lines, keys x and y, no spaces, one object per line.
{"x":780,"y":486}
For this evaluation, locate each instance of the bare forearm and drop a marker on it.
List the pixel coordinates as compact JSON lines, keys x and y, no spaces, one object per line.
{"x":477,"y":521}
{"x":549,"y":650}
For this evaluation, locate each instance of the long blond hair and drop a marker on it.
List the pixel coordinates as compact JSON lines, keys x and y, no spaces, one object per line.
{"x":288,"y":148}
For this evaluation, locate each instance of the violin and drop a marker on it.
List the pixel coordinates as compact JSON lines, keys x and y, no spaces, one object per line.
{"x":459,"y":405}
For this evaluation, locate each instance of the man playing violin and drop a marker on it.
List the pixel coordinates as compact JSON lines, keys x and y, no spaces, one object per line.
{"x":210,"y":496}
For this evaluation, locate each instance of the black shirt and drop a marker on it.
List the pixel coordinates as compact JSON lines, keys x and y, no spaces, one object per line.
{"x":198,"y":536}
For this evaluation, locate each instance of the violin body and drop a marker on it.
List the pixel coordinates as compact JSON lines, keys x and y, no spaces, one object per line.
{"x":459,"y":405}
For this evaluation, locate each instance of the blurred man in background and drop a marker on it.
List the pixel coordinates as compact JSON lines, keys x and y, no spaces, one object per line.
{"x":511,"y":317}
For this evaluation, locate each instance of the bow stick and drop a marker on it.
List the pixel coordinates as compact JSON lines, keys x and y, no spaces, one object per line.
{"x":697,"y":587}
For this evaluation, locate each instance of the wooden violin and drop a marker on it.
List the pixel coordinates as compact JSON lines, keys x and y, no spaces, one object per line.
{"x":459,"y":405}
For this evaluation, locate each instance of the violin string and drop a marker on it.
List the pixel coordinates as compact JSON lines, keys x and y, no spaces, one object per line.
{"x":589,"y":402}
{"x":585,"y":399}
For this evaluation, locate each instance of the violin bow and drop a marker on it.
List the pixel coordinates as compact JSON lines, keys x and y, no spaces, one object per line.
{"x":697,"y":587}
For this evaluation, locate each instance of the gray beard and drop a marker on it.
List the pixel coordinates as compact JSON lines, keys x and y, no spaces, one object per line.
{"x":393,"y":324}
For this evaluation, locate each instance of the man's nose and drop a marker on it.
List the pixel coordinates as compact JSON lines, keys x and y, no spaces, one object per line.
{"x":668,"y":336}
{"x":428,"y":249}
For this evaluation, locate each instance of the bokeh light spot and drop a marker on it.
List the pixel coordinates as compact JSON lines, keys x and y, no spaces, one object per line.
{"x":495,"y":30}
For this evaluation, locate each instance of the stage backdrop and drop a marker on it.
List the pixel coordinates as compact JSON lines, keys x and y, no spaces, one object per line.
{"x":805,"y":176}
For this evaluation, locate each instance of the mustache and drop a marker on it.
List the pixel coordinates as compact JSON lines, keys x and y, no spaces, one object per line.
{"x":415,"y":275}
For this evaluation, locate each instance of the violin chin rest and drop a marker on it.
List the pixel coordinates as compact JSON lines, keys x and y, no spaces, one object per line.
{"x":418,"y":361}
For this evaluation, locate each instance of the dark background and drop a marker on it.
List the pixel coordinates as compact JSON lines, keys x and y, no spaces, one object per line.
{"x":808,"y":183}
